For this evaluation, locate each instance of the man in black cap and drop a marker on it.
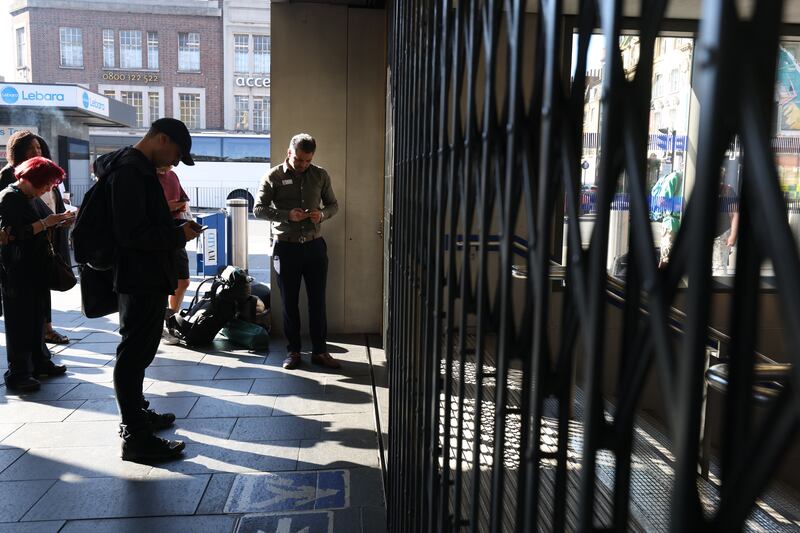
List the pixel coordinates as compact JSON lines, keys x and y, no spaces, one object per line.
{"x":145,"y":274}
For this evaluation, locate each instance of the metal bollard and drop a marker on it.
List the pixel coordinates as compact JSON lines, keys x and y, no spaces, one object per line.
{"x":237,"y":209}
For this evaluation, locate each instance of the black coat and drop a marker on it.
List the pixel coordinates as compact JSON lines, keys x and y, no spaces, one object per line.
{"x":145,"y":234}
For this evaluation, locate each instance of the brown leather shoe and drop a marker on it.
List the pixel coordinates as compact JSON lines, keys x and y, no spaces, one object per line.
{"x":292,"y":362}
{"x":325,"y":360}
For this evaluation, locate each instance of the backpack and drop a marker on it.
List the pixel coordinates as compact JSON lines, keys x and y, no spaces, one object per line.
{"x":93,"y":234}
{"x":206,"y":315}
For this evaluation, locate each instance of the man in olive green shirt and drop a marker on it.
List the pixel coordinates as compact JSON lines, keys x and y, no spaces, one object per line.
{"x":290,"y":196}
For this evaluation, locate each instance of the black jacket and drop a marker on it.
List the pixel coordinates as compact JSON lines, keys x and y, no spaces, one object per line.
{"x":145,"y":234}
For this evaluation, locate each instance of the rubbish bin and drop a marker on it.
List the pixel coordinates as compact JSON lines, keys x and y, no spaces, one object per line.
{"x":211,"y":251}
{"x":237,"y":211}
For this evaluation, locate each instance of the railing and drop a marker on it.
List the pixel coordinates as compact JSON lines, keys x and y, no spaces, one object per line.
{"x":200,"y":197}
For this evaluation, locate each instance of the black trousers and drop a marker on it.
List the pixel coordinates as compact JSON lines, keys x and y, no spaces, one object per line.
{"x":141,"y":319}
{"x":25,"y":308}
{"x":293,"y":263}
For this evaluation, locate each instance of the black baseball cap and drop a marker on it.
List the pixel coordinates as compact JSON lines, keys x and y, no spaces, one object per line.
{"x":179,"y":134}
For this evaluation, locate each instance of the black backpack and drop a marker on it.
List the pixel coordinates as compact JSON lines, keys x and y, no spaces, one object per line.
{"x":93,"y":234}
{"x":200,"y":323}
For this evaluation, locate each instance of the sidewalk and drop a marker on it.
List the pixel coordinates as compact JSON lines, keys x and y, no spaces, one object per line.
{"x":267,"y":449}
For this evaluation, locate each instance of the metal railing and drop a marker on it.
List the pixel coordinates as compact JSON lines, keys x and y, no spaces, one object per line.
{"x":482,"y":381}
{"x":200,"y":197}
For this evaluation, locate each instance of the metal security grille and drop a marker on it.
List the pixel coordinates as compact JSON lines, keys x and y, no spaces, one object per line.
{"x":490,"y":429}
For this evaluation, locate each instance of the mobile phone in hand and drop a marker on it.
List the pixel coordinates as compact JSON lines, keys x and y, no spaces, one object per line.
{"x":201,"y":229}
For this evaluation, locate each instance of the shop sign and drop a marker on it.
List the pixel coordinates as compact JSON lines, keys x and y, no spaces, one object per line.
{"x":243,"y":81}
{"x":25,"y":95}
{"x":8,"y":131}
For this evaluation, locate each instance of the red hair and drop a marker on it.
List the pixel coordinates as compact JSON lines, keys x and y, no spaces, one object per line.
{"x":39,"y":171}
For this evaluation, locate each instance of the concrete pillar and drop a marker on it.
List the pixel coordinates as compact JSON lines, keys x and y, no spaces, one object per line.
{"x":328,"y":79}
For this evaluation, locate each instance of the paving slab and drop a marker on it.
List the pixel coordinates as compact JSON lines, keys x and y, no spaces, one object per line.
{"x":8,"y":456}
{"x":232,"y":457}
{"x":288,"y":385}
{"x":8,"y":429}
{"x":43,"y":411}
{"x":320,"y":404}
{"x":233,"y":406}
{"x":53,"y":526}
{"x":93,"y":391}
{"x":289,"y":492}
{"x":48,"y":391}
{"x":86,"y":462}
{"x":216,"y":494}
{"x":316,"y":454}
{"x":211,"y":388}
{"x":106,"y":409}
{"x":16,"y":497}
{"x":182,"y":372}
{"x":275,"y":428}
{"x":65,"y":434}
{"x":118,"y":498}
{"x":172,"y":524}
{"x":312,"y":522}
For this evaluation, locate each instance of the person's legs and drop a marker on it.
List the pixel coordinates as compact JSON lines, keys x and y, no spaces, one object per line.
{"x":141,"y":319}
{"x":51,"y":335}
{"x":315,"y":274}
{"x":287,"y":263}
{"x":182,"y":263}
{"x":18,"y":314}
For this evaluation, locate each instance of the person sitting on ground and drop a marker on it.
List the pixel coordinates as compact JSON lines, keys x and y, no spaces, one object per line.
{"x":24,"y":260}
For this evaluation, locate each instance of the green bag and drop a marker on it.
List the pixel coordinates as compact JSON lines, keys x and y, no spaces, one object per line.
{"x":246,"y":334}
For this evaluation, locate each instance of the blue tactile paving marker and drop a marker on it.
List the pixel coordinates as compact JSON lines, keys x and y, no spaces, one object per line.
{"x":289,"y":491}
{"x":314,"y":522}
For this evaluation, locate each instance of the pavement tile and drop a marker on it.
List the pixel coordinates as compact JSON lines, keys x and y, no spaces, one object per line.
{"x":59,"y":435}
{"x":48,"y":391}
{"x":373,"y":519}
{"x":79,"y":374}
{"x":320,"y":404}
{"x":308,"y":522}
{"x":118,"y":498}
{"x":212,"y":388}
{"x":91,"y":348}
{"x":288,"y":385}
{"x":349,"y":368}
{"x":182,"y":372}
{"x":94,"y":391}
{"x":8,"y":429}
{"x":205,"y":430}
{"x":275,"y":428}
{"x":233,"y":359}
{"x":75,"y":361}
{"x":248,"y":370}
{"x":8,"y":456}
{"x":317,"y":454}
{"x":172,"y":524}
{"x":106,"y":409}
{"x":216,"y":494}
{"x":25,"y":411}
{"x":16,"y":497}
{"x":233,"y":457}
{"x":366,"y":487}
{"x":270,"y":492}
{"x":346,"y":426}
{"x":103,"y":336}
{"x":233,"y":406}
{"x":86,"y":462}
{"x":33,"y":527}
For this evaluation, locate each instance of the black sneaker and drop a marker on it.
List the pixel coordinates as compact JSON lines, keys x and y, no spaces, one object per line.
{"x":26,"y":384}
{"x":159,"y":420}
{"x":144,"y":447}
{"x":50,"y":370}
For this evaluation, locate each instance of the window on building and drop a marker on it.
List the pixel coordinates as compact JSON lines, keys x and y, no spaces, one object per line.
{"x":243,"y":150}
{"x":261,"y":54}
{"x":134,"y":98}
{"x":658,"y":88}
{"x":189,"y":105}
{"x":109,"y":54}
{"x":241,"y":53}
{"x":22,"y":52}
{"x":154,"y":103}
{"x":152,"y":50}
{"x":71,"y":40}
{"x":130,"y":49}
{"x":261,"y":113}
{"x":241,"y":105}
{"x":207,"y":149}
{"x":189,"y":52}
{"x":674,"y":80}
{"x":110,"y":93}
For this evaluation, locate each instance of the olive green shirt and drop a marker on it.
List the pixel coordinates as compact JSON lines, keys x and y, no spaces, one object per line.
{"x":282,"y":190}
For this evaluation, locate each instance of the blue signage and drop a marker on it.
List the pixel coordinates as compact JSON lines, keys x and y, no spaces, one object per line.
{"x":85,"y":100}
{"x":286,"y":523}
{"x":9,"y":95}
{"x":289,"y":492}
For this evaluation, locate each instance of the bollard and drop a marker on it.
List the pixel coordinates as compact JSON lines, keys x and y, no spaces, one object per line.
{"x":237,"y":211}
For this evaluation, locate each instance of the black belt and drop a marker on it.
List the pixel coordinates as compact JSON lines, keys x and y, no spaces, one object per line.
{"x":298,"y":240}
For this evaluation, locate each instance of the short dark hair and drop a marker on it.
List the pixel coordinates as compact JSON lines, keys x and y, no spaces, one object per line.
{"x":303,"y":142}
{"x":44,"y":148}
{"x":17,"y":145}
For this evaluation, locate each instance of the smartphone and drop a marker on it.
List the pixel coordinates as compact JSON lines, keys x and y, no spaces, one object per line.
{"x":202,"y":228}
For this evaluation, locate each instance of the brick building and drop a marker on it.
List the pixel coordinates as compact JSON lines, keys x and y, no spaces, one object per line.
{"x":162,"y":58}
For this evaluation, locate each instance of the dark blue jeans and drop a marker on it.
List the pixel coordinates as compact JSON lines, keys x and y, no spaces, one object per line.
{"x":294,"y":263}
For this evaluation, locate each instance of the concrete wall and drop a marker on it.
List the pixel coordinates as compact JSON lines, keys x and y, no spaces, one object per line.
{"x":328,"y":72}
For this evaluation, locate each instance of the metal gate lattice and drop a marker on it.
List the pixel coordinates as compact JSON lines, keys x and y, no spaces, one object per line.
{"x":482,"y":381}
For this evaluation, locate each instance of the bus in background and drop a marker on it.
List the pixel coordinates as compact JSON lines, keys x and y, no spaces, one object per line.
{"x":227,"y":165}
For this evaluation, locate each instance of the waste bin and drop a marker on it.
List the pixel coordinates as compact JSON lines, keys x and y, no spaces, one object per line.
{"x":211,"y":251}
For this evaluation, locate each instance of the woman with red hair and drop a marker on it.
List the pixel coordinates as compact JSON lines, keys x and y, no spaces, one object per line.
{"x":23,"y":260}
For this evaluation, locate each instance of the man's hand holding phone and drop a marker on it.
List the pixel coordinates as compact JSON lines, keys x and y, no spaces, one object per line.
{"x":191,"y":229}
{"x":297,"y":214}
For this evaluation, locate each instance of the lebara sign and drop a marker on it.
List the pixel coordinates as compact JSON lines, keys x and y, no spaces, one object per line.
{"x":24,"y":95}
